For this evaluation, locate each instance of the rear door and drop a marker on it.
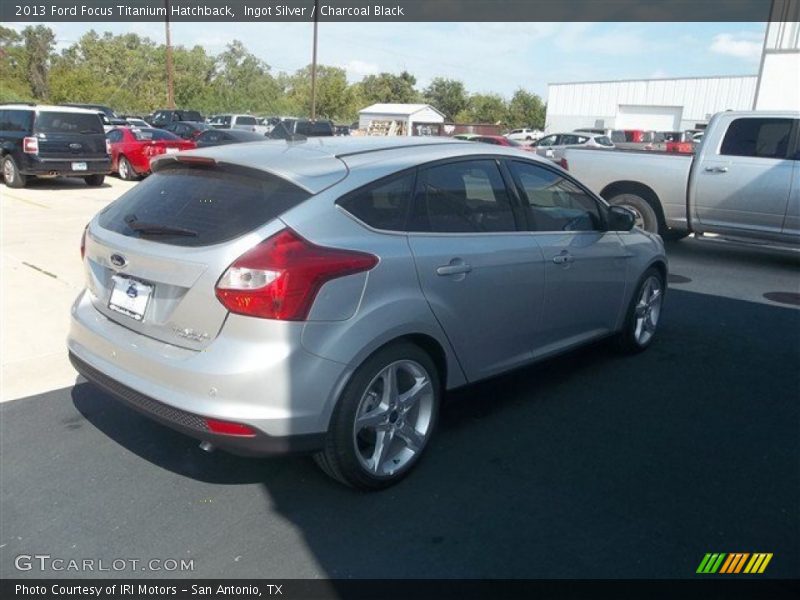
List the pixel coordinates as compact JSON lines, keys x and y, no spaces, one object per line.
{"x":70,"y":135}
{"x":154,"y":256}
{"x":585,"y":266}
{"x":744,"y":182}
{"x":478,"y":270}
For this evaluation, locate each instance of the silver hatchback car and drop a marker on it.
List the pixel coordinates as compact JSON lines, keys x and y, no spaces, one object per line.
{"x":321,"y":296}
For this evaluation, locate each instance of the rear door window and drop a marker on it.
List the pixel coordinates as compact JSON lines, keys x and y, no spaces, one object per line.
{"x":758,"y":137}
{"x":246,"y":121}
{"x":462,"y":197}
{"x":200,"y":206}
{"x":603,"y":141}
{"x":66,"y":122}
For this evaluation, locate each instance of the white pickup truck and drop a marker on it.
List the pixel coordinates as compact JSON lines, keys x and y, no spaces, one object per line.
{"x":743,"y":182}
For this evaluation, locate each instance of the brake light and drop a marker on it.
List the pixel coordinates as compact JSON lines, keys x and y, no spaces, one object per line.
{"x":564,"y":164}
{"x":228,"y":428}
{"x":30,"y":145}
{"x":280,"y":277}
{"x":108,"y":147}
{"x":83,"y":241}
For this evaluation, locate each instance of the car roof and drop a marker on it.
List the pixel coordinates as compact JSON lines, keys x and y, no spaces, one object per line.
{"x":47,"y":107}
{"x":318,"y":163}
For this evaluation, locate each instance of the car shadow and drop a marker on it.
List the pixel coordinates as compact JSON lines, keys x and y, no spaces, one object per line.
{"x":60,"y":184}
{"x":589,"y":465}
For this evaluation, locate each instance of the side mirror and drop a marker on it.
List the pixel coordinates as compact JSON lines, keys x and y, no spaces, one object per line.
{"x":621,"y":219}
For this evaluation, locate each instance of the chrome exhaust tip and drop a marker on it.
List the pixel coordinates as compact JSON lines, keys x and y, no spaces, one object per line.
{"x":207,"y":447}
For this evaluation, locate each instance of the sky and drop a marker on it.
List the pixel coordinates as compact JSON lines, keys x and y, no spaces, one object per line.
{"x":487,"y":57}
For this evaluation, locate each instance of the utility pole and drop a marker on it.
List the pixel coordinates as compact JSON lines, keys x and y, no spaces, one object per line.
{"x":170,"y":88}
{"x":314,"y":64}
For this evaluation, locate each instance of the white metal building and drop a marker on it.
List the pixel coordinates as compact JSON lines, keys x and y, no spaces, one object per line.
{"x":401,"y":119}
{"x":779,"y":75}
{"x":650,"y":104}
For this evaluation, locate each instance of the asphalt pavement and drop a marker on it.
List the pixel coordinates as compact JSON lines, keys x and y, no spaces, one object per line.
{"x":590,"y":465}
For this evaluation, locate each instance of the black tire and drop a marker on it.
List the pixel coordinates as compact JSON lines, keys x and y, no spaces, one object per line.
{"x":94,"y":180}
{"x":125,"y":170}
{"x":11,"y":175}
{"x":626,"y":340}
{"x":646,"y":215}
{"x":339,"y":458}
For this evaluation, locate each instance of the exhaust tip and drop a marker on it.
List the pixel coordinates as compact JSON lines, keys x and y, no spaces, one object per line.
{"x":207,"y":447}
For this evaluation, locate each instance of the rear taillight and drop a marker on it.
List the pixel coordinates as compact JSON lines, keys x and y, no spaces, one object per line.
{"x":30,"y":145}
{"x":108,"y":147}
{"x":280,"y":277}
{"x":229,"y":428}
{"x":154,"y":150}
{"x":83,"y":241}
{"x":564,"y":164}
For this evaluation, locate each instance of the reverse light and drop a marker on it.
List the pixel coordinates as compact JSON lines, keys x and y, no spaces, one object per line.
{"x":30,"y":145}
{"x":280,"y":277}
{"x":229,"y":428}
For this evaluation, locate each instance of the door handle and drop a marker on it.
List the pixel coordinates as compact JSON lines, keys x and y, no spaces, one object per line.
{"x":453,"y":269}
{"x":716,"y":169}
{"x":562,"y":259}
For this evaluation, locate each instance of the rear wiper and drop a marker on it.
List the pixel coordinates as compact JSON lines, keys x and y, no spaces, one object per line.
{"x":156,"y":229}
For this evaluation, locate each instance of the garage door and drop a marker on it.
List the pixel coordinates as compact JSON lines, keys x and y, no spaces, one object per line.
{"x":655,"y":118}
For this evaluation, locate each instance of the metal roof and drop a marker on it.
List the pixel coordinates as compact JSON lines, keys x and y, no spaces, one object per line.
{"x":397,"y":109}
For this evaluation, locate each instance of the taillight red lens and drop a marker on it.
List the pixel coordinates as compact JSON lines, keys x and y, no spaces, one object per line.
{"x":30,"y":145}
{"x":228,"y":428}
{"x":108,"y":147}
{"x":83,"y":241}
{"x":280,"y":277}
{"x":564,"y":164}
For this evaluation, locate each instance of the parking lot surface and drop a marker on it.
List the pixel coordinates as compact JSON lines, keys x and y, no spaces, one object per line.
{"x":589,"y":465}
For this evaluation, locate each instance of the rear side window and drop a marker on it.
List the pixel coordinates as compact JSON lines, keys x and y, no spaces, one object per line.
{"x":207,"y":206}
{"x":603,"y":141}
{"x":64,"y":122}
{"x":462,"y":197}
{"x":246,"y":121}
{"x":16,"y":120}
{"x":764,"y":138}
{"x":382,"y":206}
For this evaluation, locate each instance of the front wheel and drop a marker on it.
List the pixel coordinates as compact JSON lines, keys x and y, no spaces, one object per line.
{"x":644,"y":313}
{"x":384,"y":419}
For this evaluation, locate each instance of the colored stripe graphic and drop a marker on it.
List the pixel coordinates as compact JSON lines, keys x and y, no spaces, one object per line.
{"x":734,"y":562}
{"x":711,"y":563}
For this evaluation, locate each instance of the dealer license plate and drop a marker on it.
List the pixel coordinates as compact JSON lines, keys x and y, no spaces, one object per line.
{"x":130,"y":297}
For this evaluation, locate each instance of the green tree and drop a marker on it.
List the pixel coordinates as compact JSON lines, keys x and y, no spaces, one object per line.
{"x":447,"y":95}
{"x":13,"y":64}
{"x":484,"y":108}
{"x":525,"y":109}
{"x":387,"y":87}
{"x":39,"y":44}
{"x":335,"y":99}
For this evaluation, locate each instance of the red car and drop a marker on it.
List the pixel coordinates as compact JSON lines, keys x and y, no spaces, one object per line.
{"x":500,"y":140}
{"x":133,"y":148}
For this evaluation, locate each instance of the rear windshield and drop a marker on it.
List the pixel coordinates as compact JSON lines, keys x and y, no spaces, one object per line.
{"x":190,"y":115}
{"x":145,"y":135}
{"x":246,"y":121}
{"x":66,"y":122}
{"x":207,"y":206}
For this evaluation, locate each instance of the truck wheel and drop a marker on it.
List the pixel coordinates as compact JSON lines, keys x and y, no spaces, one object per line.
{"x":384,"y":419}
{"x":11,"y":174}
{"x":94,"y":180}
{"x":646,"y":217}
{"x":644,"y":312}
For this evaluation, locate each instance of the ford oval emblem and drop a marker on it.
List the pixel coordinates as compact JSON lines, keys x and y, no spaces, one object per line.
{"x":118,"y":260}
{"x":76,"y":146}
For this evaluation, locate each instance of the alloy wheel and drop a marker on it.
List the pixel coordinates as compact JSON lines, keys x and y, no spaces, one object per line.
{"x":648,"y":310}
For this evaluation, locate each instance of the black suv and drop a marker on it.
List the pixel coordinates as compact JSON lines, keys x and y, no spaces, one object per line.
{"x":50,"y":141}
{"x":164,"y":117}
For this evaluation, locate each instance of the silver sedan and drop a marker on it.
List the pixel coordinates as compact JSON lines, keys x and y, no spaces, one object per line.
{"x":321,"y":296}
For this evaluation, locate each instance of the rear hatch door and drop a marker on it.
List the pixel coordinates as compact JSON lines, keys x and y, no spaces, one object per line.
{"x":70,"y":135}
{"x":154,"y":256}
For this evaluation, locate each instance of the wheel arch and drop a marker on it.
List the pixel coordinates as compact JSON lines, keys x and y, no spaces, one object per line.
{"x":640,"y":189}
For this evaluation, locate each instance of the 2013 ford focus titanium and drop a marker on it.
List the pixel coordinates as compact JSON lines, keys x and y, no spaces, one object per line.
{"x":321,"y":296}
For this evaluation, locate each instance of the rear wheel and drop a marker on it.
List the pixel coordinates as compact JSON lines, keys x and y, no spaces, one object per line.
{"x":384,"y":419}
{"x":646,"y":216}
{"x":11,"y":174}
{"x":644,"y":313}
{"x":125,"y":169}
{"x":94,"y":180}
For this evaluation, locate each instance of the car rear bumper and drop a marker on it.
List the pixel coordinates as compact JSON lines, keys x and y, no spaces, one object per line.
{"x":35,"y":165}
{"x":269,"y":383}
